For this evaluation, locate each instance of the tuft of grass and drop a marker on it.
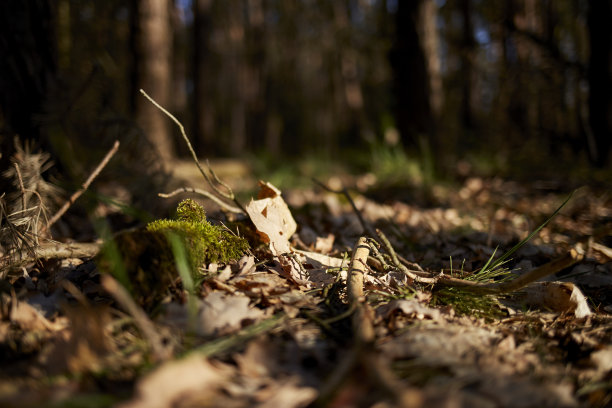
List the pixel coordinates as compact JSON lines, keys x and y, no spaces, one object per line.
{"x":495,"y":267}
{"x":495,"y":270}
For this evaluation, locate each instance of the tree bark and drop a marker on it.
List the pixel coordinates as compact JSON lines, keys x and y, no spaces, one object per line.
{"x":152,"y":46}
{"x":28,"y":65}
{"x":467,"y":52}
{"x":600,"y":80}
{"x":203,"y":114}
{"x":410,"y":75}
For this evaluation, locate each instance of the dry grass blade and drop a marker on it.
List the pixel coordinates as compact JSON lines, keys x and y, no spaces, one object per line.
{"x":122,"y":296}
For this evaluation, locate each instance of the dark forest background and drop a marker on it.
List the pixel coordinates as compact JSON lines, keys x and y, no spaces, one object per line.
{"x":515,"y":83}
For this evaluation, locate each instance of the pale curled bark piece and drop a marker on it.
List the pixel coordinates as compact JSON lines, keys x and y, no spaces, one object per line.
{"x":357,"y":270}
{"x":362,"y":319}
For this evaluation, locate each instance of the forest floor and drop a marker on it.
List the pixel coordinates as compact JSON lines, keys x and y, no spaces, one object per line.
{"x":284,"y":329}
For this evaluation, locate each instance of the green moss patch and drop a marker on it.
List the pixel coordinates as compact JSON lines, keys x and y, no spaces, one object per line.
{"x":205,"y":243}
{"x":144,"y":262}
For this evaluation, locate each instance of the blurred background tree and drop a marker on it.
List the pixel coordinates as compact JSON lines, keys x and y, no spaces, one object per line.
{"x":516,"y":82}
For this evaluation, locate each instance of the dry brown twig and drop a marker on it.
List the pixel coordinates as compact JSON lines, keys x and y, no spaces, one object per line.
{"x":204,"y":193}
{"x":211,"y":178}
{"x":52,"y":250}
{"x":84,"y":186}
{"x":362,"y":319}
{"x":366,"y":227}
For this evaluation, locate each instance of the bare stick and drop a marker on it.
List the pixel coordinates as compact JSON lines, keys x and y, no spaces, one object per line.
{"x":206,"y":194}
{"x":146,"y":326}
{"x":84,"y":186}
{"x":229,"y":195}
{"x":54,"y":250}
{"x":362,"y":319}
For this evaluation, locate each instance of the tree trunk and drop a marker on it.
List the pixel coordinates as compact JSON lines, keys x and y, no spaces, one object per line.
{"x":239,"y":73}
{"x":467,"y":53}
{"x":430,"y":44}
{"x":600,"y":80}
{"x":203,"y":114}
{"x":152,"y":45}
{"x":28,"y":66}
{"x":410,"y":74}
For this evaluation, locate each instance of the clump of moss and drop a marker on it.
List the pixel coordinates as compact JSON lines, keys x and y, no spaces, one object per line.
{"x":143,"y":260}
{"x":469,"y":303}
{"x":205,"y":243}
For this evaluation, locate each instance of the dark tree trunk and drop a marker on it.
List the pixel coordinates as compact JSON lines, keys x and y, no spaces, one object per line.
{"x":410,"y":76}
{"x":28,"y":65}
{"x":467,"y":51}
{"x":600,"y":80}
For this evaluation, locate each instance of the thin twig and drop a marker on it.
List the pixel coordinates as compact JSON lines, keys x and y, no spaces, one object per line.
{"x":411,"y":274}
{"x":366,"y":227}
{"x":229,"y":195}
{"x":84,"y":186}
{"x":206,"y":194}
{"x":218,"y":180}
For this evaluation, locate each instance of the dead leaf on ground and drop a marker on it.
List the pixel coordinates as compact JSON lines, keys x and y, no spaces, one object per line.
{"x":221,"y":313}
{"x":179,"y":380}
{"x":560,"y":297}
{"x":409,"y":307}
{"x":272,"y":218}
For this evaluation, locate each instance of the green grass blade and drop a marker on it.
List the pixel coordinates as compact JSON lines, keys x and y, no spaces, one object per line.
{"x":498,"y":262}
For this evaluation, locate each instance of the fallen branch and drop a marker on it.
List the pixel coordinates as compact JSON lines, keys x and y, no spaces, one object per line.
{"x":55,"y":250}
{"x":362,"y":318}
